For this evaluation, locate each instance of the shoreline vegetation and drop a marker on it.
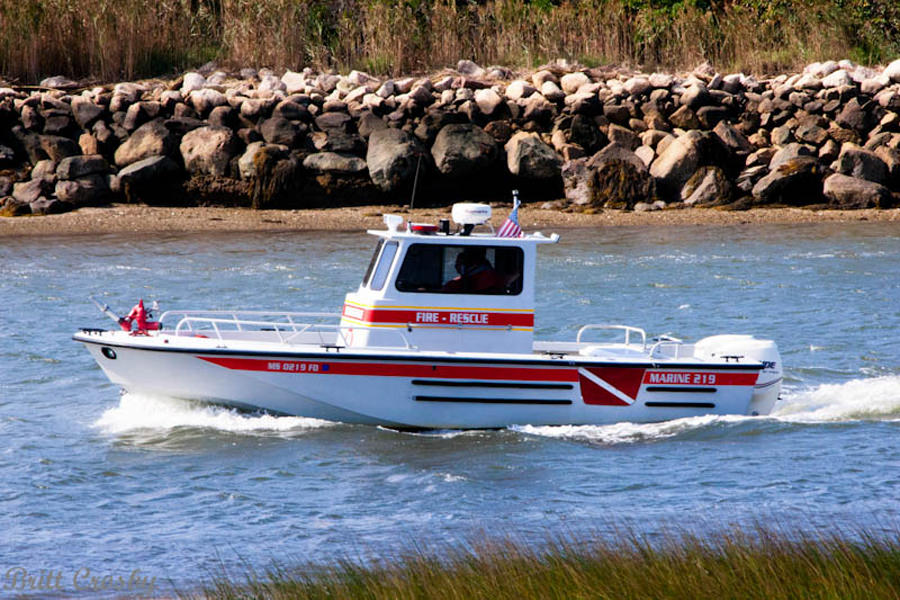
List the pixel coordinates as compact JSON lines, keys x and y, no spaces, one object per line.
{"x":142,"y":38}
{"x":761,"y":563}
{"x":572,"y":131}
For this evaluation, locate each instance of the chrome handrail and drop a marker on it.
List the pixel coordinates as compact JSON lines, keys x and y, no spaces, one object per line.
{"x":628,"y":329}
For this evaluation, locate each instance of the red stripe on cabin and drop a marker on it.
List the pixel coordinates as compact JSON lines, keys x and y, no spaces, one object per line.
{"x":701,"y":378}
{"x":440,"y":317}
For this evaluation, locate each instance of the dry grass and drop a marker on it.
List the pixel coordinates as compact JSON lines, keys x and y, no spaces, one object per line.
{"x":747,"y":564}
{"x":130,"y":38}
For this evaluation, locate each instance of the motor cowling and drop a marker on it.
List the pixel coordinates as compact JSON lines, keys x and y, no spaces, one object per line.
{"x":748,"y":348}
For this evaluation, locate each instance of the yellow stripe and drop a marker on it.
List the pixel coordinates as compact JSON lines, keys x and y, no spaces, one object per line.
{"x":392,"y":307}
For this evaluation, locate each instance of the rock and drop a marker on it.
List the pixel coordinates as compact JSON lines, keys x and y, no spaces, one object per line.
{"x":675,"y":165}
{"x":85,"y":111}
{"x":49,"y":206}
{"x":11,"y":207}
{"x":709,"y":116}
{"x":829,"y":151}
{"x":661,"y":80}
{"x":247,"y":161}
{"x":293,"y":82}
{"x":192,"y":81}
{"x":789,"y":152}
{"x":811,"y":134}
{"x":636,"y":86}
{"x":529,"y":157}
{"x":27,"y":192}
{"x":463,"y":149}
{"x":709,"y":186}
{"x":684,"y":118}
{"x":31,"y":118}
{"x":6,"y":186}
{"x":208,"y":150}
{"x":646,"y":154}
{"x":392,"y":159}
{"x":570,"y":82}
{"x":519,"y":89}
{"x":539,"y":77}
{"x":207,"y":99}
{"x":623,"y":137}
{"x":732,"y":138}
{"x":892,"y":71}
{"x":618,"y":179}
{"x":487,"y":100}
{"x":853,"y":116}
{"x":85,"y":191}
{"x":369,"y":123}
{"x":551,"y":92}
{"x":862,"y":164}
{"x":583,"y":131}
{"x":334,"y":121}
{"x":332,"y":162}
{"x":851,"y":193}
{"x":150,"y":139}
{"x":59,"y":82}
{"x":537,"y":109}
{"x":74,"y":167}
{"x":280,"y":131}
{"x":57,"y":148}
{"x":795,"y":182}
{"x":838,"y":79}
{"x":149,"y":170}
{"x":469,"y":69}
{"x":45,"y":169}
{"x":695,"y":96}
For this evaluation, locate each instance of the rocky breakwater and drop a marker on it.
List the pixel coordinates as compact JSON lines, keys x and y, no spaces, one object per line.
{"x":584,"y":139}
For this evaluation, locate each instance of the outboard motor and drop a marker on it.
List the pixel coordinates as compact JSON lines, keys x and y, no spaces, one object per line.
{"x":746,"y":348}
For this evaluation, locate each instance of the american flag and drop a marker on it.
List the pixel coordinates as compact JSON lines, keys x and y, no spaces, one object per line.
{"x":510,"y":227}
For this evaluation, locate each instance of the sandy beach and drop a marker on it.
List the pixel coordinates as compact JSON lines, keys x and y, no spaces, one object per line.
{"x":123,"y":218}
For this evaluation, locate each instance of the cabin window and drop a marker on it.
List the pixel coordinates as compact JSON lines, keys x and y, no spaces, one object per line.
{"x":461,"y":269}
{"x":384,"y":265}
{"x":372,"y":262}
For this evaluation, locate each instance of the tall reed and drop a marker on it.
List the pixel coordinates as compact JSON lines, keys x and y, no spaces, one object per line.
{"x":758,"y":563}
{"x":129,"y":38}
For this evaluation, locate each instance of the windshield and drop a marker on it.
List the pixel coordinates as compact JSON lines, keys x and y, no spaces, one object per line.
{"x":461,"y":269}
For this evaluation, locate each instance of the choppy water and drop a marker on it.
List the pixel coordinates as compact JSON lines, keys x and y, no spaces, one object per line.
{"x":92,"y":480}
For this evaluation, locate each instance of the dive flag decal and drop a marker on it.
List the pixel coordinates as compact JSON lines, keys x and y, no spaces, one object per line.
{"x":610,"y":386}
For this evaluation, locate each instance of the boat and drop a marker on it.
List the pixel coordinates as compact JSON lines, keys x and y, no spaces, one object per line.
{"x":439,"y":335}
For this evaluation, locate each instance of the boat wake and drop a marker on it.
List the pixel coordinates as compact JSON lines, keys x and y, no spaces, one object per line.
{"x":136,"y":413}
{"x":876,"y":398}
{"x":873,"y":398}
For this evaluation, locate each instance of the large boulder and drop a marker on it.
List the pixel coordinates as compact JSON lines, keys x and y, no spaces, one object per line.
{"x":333,"y":162}
{"x":151,"y":179}
{"x":618,"y":178}
{"x":860,"y":163}
{"x":850,"y":192}
{"x":675,"y":165}
{"x":796,"y":182}
{"x":74,"y":167}
{"x":86,"y":111}
{"x":150,"y":139}
{"x":57,"y":147}
{"x":27,"y":192}
{"x":209,"y":150}
{"x":462,"y":149}
{"x":247,"y":161}
{"x":709,"y":186}
{"x":85,"y":191}
{"x":528,"y":156}
{"x":392,"y":158}
{"x":280,"y":131}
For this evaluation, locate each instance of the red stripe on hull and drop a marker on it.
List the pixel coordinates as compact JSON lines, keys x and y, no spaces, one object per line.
{"x":557,"y":374}
{"x":694,"y":378}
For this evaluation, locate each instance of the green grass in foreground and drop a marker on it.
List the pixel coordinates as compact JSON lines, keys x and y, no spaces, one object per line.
{"x":743,"y":564}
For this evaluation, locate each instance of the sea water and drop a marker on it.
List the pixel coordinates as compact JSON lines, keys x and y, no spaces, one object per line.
{"x":103,"y":493}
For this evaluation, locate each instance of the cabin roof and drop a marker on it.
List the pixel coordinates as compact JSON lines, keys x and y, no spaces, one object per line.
{"x":457,"y":239}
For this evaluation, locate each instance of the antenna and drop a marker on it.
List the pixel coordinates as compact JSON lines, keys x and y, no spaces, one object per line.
{"x":415,"y":181}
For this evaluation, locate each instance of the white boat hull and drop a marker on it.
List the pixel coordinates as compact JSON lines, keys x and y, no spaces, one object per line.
{"x":421,"y":390}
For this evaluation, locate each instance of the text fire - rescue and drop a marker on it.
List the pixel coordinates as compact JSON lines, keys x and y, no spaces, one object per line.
{"x":455,"y":318}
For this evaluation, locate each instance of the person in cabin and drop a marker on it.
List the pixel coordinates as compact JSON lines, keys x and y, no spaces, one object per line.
{"x":476,"y":275}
